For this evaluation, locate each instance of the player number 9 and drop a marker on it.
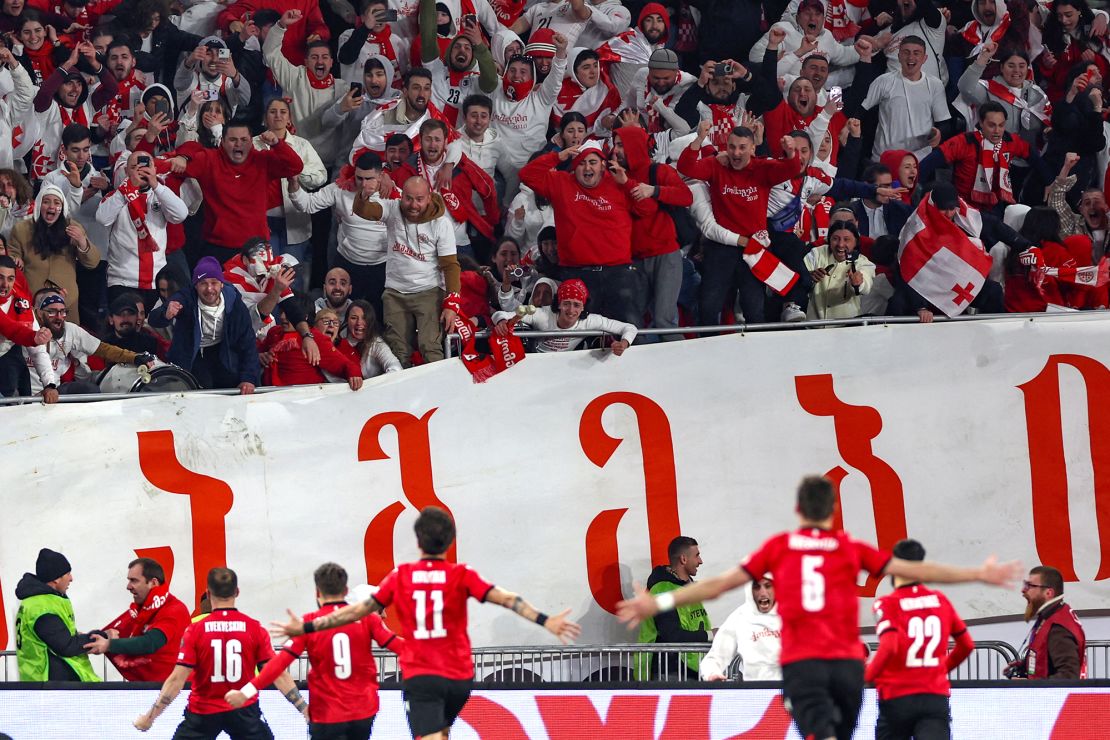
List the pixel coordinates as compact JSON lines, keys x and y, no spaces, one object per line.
{"x":341,"y":654}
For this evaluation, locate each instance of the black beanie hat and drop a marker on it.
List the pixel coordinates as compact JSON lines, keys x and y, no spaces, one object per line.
{"x":51,"y":565}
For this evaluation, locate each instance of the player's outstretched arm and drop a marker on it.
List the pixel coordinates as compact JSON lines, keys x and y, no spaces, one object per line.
{"x":351,"y":613}
{"x":644,"y":605}
{"x":288,"y":688}
{"x":990,"y":572}
{"x":170,"y":689}
{"x":270,"y":674}
{"x":557,"y":624}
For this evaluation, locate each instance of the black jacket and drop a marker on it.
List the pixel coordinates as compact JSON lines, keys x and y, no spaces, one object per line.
{"x":895,"y":214}
{"x":53,"y":631}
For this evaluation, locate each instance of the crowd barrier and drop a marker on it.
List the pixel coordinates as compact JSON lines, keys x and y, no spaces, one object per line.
{"x":616,"y":663}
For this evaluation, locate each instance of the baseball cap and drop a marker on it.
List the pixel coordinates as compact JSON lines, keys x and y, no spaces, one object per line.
{"x":123,"y":304}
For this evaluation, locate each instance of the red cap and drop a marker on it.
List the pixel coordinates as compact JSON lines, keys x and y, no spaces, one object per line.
{"x":572,"y":290}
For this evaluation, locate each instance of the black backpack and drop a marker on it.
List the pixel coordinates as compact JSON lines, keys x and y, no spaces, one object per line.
{"x":685,"y":228}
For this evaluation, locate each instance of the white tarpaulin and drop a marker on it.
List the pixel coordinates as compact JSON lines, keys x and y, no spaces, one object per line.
{"x":568,"y":474}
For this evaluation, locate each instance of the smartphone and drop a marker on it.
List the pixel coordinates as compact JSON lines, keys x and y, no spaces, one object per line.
{"x":836,"y":92}
{"x":211,"y":93}
{"x":389,"y":15}
{"x":722,"y":70}
{"x":17,"y":50}
{"x":470,"y":19}
{"x":161,"y":105}
{"x":356,"y":88}
{"x":145,"y":161}
{"x":223,"y":53}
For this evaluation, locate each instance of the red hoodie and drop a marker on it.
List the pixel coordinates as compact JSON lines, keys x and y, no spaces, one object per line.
{"x":289,"y":366}
{"x":892,"y":160}
{"x":655,"y":234}
{"x":593,"y":225}
{"x":235,"y":200}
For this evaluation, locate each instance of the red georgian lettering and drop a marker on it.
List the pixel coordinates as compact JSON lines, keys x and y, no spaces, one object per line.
{"x":1048,"y":468}
{"x":414,"y":452}
{"x":3,"y":621}
{"x":660,"y":489}
{"x":1079,"y":716}
{"x":210,"y":499}
{"x":490,"y":720}
{"x":856,"y":427}
{"x":164,"y":556}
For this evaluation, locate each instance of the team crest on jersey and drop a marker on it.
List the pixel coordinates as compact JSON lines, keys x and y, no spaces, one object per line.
{"x":451,"y":200}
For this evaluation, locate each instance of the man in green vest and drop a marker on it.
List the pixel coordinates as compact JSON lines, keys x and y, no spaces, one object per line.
{"x":48,"y":646}
{"x":688,"y":623}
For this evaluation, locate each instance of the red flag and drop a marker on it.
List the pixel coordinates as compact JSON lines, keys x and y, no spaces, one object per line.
{"x":505,"y":351}
{"x":942,"y":258}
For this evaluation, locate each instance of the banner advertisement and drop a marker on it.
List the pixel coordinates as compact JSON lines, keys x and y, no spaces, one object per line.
{"x":569,"y":473}
{"x":579,"y":714}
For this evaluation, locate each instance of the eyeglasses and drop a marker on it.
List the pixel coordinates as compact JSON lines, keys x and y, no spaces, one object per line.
{"x":57,"y":311}
{"x":329,"y":322}
{"x":1026,"y":585}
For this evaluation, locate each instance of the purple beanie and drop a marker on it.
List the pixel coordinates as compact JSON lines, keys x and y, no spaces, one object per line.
{"x":207,"y":267}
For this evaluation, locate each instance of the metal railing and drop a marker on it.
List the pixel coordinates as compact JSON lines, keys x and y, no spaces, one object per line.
{"x":628,"y":662}
{"x":1098,"y":659}
{"x":451,"y":341}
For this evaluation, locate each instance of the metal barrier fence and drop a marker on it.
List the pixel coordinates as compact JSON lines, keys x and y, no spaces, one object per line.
{"x":629,"y":662}
{"x":451,"y":341}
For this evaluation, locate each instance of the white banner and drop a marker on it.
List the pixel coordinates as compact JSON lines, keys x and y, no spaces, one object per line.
{"x":569,"y":474}
{"x":578,"y":714}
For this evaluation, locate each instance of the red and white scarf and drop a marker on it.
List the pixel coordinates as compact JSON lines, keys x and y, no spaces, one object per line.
{"x":73,"y":115}
{"x":974,"y":34}
{"x":327,"y":83}
{"x":766,"y":266}
{"x":122,"y":101}
{"x":724,"y":118}
{"x":147,"y":244}
{"x":1093,"y":276}
{"x":992,"y":175}
{"x":505,"y":351}
{"x":1042,"y":111}
{"x":842,"y":17}
{"x":138,"y":616}
{"x":593,"y":103}
{"x":813,"y":226}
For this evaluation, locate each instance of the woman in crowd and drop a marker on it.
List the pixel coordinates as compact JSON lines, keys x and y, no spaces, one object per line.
{"x":51,"y":246}
{"x":203,"y":120}
{"x":364,"y":342}
{"x":1068,"y":40}
{"x":573,"y":130}
{"x":903,"y":165}
{"x":16,"y":200}
{"x":39,"y":41}
{"x":1028,"y":288}
{"x":283,"y":362}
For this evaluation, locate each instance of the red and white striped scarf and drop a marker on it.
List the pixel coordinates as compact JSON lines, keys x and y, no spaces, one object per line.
{"x":842,"y":17}
{"x":147,"y":245}
{"x":766,"y":266}
{"x":1042,"y":111}
{"x":724,"y":120}
{"x":73,"y":115}
{"x":992,"y":175}
{"x":974,"y":34}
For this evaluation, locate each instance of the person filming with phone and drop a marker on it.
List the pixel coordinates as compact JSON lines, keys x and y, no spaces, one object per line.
{"x":136,"y":214}
{"x":840,"y":274}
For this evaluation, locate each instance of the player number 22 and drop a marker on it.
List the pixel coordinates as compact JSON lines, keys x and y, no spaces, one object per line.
{"x":421,"y":632}
{"x":813,"y":583}
{"x":227,"y":661}
{"x":922,"y":629}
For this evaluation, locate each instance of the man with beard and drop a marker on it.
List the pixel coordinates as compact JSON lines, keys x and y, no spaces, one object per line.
{"x":1091,"y":218}
{"x":64,"y":99}
{"x":131,"y":81}
{"x":403,"y":115}
{"x":215,"y":76}
{"x":142,"y":643}
{"x":629,"y":53}
{"x":656,"y":90}
{"x":17,"y":330}
{"x":799,"y":112}
{"x":361,"y":245}
{"x":754,"y":632}
{"x":688,"y":624}
{"x":346,"y":115}
{"x":1056,"y":645}
{"x":235,"y":179}
{"x":521,"y":110}
{"x":69,"y":350}
{"x":123,"y":326}
{"x":464,"y":181}
{"x":421,"y":258}
{"x":465,"y":68}
{"x":138,"y":214}
{"x":337,"y":291}
{"x":715,"y":98}
{"x":311,"y":86}
{"x":594,"y":213}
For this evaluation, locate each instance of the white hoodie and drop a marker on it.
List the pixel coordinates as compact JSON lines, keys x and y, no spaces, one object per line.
{"x":755,"y":637}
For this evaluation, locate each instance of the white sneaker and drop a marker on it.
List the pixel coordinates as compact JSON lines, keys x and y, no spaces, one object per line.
{"x":791,"y":313}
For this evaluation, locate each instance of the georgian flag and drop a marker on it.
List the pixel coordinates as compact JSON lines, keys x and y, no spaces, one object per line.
{"x":943,"y":259}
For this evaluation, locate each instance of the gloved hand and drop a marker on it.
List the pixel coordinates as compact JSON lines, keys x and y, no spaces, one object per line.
{"x":144,"y":358}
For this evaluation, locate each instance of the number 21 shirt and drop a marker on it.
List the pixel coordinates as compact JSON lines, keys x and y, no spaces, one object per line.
{"x":815,"y":574}
{"x":429,"y":596}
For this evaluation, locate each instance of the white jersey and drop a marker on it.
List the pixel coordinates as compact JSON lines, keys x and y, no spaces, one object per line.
{"x":413,"y":262}
{"x":522,"y":124}
{"x":16,"y":96}
{"x":448,"y":97}
{"x":71,"y":349}
{"x":126,"y":264}
{"x":360,"y":240}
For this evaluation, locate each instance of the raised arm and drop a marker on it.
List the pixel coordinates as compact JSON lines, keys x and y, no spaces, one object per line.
{"x":558,"y":625}
{"x":350,"y":613}
{"x":990,"y":572}
{"x":644,"y":605}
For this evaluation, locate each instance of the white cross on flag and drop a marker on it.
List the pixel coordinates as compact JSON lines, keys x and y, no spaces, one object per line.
{"x":943,"y":259}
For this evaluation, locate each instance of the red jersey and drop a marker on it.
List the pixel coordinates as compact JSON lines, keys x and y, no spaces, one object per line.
{"x":429,"y":597}
{"x":223,"y":650}
{"x":342,"y":675}
{"x":815,"y":574}
{"x":919,"y":622}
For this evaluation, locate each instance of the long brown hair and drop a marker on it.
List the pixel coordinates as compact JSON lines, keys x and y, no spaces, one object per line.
{"x":373,"y":329}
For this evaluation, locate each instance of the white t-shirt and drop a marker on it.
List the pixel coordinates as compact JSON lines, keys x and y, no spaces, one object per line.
{"x":908,"y":110}
{"x":412,"y":265}
{"x":211,"y":323}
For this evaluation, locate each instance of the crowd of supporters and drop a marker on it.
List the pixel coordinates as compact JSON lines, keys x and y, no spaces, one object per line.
{"x":293,"y":191}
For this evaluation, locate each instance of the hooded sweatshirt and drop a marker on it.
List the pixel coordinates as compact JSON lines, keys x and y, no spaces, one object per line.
{"x":655,"y":234}
{"x":594,"y":103}
{"x":52,"y":630}
{"x":754,"y":636}
{"x":52,"y":117}
{"x":628,"y":52}
{"x":892,"y":160}
{"x":594,"y":225}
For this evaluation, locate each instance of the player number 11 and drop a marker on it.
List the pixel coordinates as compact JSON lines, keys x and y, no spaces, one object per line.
{"x":421,"y":632}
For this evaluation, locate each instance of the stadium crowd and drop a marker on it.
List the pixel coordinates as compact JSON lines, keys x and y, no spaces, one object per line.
{"x":287,"y":191}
